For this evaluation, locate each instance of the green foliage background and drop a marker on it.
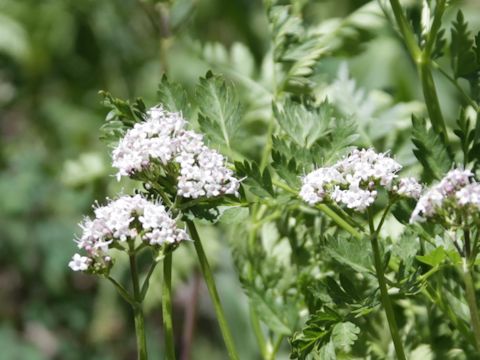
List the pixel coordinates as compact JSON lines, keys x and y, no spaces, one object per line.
{"x":54,"y":58}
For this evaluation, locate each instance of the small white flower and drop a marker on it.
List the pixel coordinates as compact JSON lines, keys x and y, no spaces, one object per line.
{"x":79,"y":263}
{"x":118,"y":221}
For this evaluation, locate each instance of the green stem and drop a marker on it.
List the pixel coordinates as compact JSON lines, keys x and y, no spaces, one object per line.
{"x":146,"y":282}
{"x":121,"y":290}
{"x":405,"y":30}
{"x":436,"y":24}
{"x":140,"y":332}
{"x":339,"y":221}
{"x":423,"y":62}
{"x":257,"y":329}
{"x":326,"y":210}
{"x":431,"y":99}
{"x":385,"y":298}
{"x":167,"y":307}
{"x":252,"y":237}
{"x":472,"y":302}
{"x":437,"y":298}
{"x":208,"y":276}
{"x":137,"y":310}
{"x":272,"y":351}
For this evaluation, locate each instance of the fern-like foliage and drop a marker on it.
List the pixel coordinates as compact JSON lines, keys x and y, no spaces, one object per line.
{"x":465,"y":54}
{"x":430,"y":150}
{"x":122,"y":116}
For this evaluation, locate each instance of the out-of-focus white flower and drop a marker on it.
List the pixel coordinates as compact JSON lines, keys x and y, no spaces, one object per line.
{"x":120,"y":220}
{"x":79,"y":263}
{"x":454,"y":190}
{"x":408,"y":187}
{"x":162,"y":138}
{"x":352,"y":181}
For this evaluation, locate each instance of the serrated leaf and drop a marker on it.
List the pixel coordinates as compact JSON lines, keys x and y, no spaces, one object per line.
{"x":219,"y":108}
{"x":344,"y":335}
{"x":351,"y":252}
{"x":287,"y":169}
{"x":304,"y":126}
{"x":122,"y":116}
{"x":338,"y":295}
{"x":259,"y":183}
{"x":465,"y":61}
{"x":173,"y":97}
{"x":315,"y":334}
{"x":430,"y":150}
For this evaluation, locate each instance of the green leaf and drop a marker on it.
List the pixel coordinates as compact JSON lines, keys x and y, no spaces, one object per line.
{"x":344,"y":335}
{"x":259,"y":183}
{"x":315,"y":335}
{"x":433,"y":258}
{"x":354,"y":253}
{"x":122,"y":116}
{"x":286,"y":168}
{"x":173,"y":97}
{"x":233,"y":214}
{"x":326,"y":352}
{"x":430,"y":150}
{"x":338,"y":295}
{"x":220,"y":109}
{"x":464,"y":53}
{"x":275,"y":316}
{"x":304,"y":126}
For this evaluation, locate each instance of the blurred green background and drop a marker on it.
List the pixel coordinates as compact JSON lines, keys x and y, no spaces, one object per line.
{"x":55,"y":55}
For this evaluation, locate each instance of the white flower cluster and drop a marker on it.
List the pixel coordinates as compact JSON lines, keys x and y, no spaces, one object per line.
{"x":163,"y":138}
{"x":457,"y":189}
{"x":353,"y":180}
{"x":120,"y":220}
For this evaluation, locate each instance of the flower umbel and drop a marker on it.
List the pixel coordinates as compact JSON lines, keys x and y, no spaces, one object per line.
{"x":163,"y":139}
{"x":354,"y":180}
{"x":123,"y":219}
{"x":458,"y":190}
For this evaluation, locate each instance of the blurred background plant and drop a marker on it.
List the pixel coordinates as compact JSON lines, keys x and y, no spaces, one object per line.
{"x":54,"y":58}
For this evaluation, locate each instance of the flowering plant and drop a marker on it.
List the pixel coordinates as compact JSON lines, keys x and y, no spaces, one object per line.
{"x":326,"y":233}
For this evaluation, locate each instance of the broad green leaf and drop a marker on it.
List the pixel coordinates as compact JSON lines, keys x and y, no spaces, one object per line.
{"x":219,"y":107}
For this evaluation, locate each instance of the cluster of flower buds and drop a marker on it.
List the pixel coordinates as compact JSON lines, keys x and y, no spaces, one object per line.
{"x":123,"y":219}
{"x":354,"y":180}
{"x":163,"y":139}
{"x":457,"y":191}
